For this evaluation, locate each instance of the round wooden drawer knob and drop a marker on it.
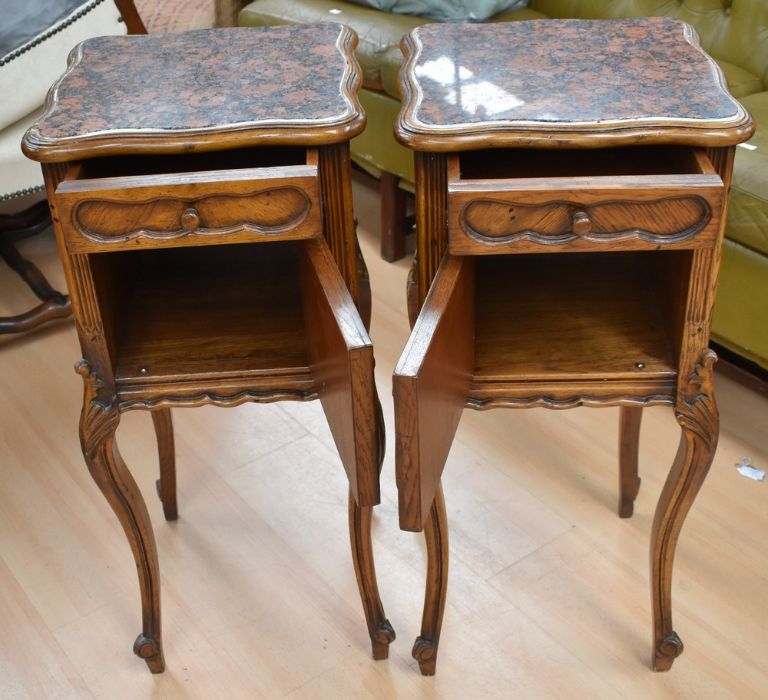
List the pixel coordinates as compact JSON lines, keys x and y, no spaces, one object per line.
{"x":581,"y":223}
{"x":190,"y":219}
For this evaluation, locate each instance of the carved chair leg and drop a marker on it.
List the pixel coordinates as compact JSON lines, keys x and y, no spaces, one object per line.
{"x":166,"y":484}
{"x":696,"y":411}
{"x":54,"y":304}
{"x":98,"y":424}
{"x":393,"y":226}
{"x":629,"y":438}
{"x":436,"y":534}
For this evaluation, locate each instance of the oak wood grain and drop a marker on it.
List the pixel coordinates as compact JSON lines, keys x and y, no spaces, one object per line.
{"x":340,"y":355}
{"x":614,"y":199}
{"x":220,"y":206}
{"x":573,"y":317}
{"x":430,"y":384}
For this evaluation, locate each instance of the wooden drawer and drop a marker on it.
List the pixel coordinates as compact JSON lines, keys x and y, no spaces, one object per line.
{"x":615,"y":199}
{"x":206,"y":207}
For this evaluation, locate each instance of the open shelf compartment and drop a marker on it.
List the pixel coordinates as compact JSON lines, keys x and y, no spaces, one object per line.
{"x":220,"y":310}
{"x":541,"y":318}
{"x":541,"y":325}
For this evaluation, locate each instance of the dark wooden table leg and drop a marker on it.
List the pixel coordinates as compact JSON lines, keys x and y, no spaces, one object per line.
{"x":629,"y":438}
{"x":436,"y":534}
{"x":166,"y":484}
{"x":98,"y":423}
{"x":54,"y":304}
{"x":696,"y":411}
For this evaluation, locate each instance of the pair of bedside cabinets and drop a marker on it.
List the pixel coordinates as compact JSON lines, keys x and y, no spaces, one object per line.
{"x":571,"y":193}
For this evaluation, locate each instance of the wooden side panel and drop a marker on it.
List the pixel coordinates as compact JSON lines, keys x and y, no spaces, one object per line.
{"x":704,"y":274}
{"x":430,"y":386}
{"x":341,"y":358}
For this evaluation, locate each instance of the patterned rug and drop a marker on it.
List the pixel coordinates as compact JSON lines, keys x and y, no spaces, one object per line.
{"x":175,"y":15}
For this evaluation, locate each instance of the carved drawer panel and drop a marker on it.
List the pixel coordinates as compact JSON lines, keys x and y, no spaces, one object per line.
{"x":197,"y":208}
{"x":585,"y":212}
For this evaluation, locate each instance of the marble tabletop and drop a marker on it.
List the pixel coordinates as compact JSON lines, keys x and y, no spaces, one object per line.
{"x":200,"y":90}
{"x":551,"y":81}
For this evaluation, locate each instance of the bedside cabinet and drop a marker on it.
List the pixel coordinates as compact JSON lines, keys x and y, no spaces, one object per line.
{"x":571,"y":192}
{"x":200,"y":190}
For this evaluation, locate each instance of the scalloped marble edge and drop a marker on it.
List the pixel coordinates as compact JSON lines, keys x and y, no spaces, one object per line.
{"x":157,"y":141}
{"x":418,"y":135}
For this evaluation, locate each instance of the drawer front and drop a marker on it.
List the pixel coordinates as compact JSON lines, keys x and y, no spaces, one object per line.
{"x":582,"y":214}
{"x":232,"y":206}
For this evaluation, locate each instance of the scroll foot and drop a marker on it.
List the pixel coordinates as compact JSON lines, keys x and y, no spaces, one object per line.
{"x":425,"y":652}
{"x":381,"y":639}
{"x":151,"y":651}
{"x":667,"y":650}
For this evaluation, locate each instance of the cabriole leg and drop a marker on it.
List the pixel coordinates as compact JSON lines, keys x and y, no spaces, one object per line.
{"x":436,"y":534}
{"x":379,"y":628}
{"x":98,"y":423}
{"x":696,"y":412}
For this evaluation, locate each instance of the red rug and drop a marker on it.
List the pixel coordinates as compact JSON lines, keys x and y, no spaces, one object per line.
{"x":175,"y":15}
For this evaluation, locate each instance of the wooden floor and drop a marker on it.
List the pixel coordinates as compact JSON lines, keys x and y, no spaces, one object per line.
{"x":548,"y":594}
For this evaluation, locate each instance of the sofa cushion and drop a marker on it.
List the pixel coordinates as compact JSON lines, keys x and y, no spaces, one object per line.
{"x":740,"y":81}
{"x":377,"y":31}
{"x":740,"y":321}
{"x":445,"y":10}
{"x":748,"y":213}
{"x":28,"y":70}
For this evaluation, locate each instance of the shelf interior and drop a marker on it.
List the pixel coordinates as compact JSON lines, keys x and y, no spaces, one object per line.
{"x":532,"y":163}
{"x":233,"y":159}
{"x":570,"y":317}
{"x":218,"y":310}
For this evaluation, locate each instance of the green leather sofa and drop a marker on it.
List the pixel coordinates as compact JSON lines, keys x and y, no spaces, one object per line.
{"x":734,"y":32}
